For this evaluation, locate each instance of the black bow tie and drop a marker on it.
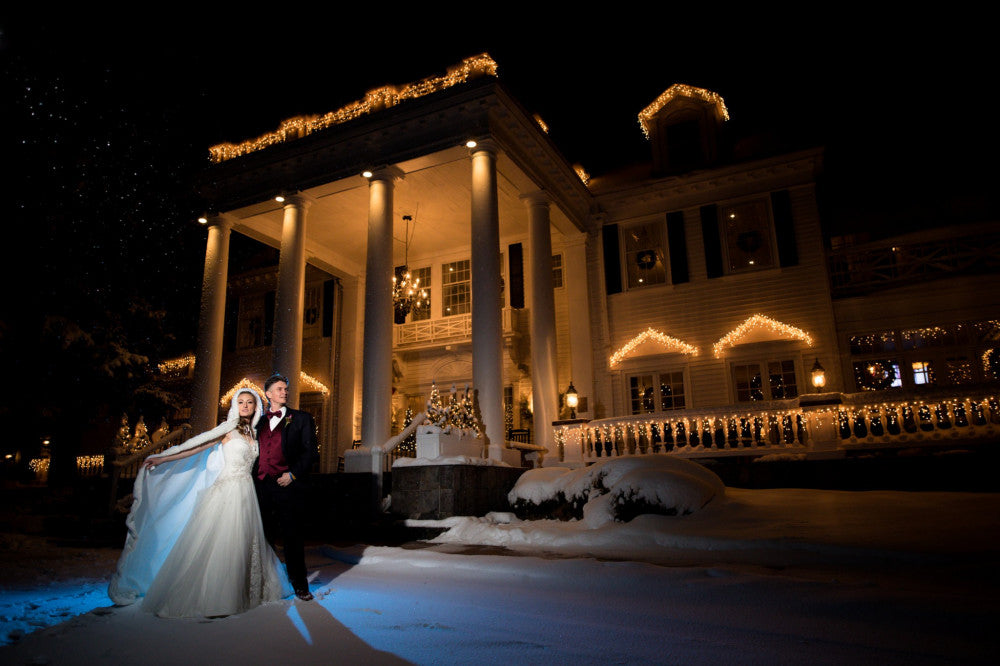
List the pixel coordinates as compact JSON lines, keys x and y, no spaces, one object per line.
{"x":271,"y":415}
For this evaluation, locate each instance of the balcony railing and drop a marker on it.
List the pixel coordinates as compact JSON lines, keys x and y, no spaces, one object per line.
{"x":430,"y":332}
{"x":872,"y":266}
{"x":840,"y":424}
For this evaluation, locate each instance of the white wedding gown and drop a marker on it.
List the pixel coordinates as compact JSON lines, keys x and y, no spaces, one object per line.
{"x":221,"y":563}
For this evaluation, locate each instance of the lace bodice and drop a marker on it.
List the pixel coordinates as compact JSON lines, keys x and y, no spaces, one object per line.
{"x":239,"y":454}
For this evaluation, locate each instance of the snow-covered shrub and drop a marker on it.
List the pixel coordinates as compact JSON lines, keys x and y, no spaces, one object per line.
{"x":615,"y":489}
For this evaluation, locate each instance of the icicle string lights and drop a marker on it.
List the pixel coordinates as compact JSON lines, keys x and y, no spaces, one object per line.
{"x":680,"y":90}
{"x":672,"y":344}
{"x":755,"y":322}
{"x":375,"y":100}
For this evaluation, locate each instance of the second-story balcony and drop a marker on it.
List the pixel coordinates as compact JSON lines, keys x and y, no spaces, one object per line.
{"x":448,"y":330}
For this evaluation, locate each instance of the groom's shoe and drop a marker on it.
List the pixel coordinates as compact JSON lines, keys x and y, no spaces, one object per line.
{"x":304,"y":594}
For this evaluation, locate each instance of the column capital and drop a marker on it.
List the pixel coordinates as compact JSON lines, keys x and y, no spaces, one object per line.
{"x":389,"y":173}
{"x":537,"y":198}
{"x":221,"y":220}
{"x":484,"y":146}
{"x":299,"y":200}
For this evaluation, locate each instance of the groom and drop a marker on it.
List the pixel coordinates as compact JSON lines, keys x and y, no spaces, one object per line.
{"x":287,"y":439}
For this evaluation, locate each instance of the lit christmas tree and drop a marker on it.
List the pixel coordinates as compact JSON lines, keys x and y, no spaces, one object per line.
{"x":122,"y":437}
{"x":408,"y":447}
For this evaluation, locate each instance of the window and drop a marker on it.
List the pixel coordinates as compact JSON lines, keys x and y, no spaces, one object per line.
{"x":751,"y":384}
{"x":312,"y":322}
{"x":656,"y":392}
{"x":922,"y":372}
{"x":557,"y":271}
{"x":456,"y":288}
{"x":877,"y":374}
{"x":422,"y":309}
{"x":747,"y":235}
{"x":644,"y":257}
{"x":928,"y":355}
{"x":251,"y":322}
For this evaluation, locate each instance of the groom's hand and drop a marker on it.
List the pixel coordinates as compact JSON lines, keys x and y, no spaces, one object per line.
{"x":285,"y":479}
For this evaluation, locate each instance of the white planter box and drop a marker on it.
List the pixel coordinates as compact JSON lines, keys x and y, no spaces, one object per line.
{"x":432,"y":443}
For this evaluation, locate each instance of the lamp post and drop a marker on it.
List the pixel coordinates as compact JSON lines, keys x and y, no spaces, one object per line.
{"x":818,"y":376}
{"x":572,"y":399}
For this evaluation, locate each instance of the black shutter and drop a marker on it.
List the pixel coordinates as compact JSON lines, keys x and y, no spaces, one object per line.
{"x":713,"y":244}
{"x":328,"y":290}
{"x":612,"y":260}
{"x":678,"y":248}
{"x":784,"y":228}
{"x":232,"y":322}
{"x":269,"y":318}
{"x":515,"y":261}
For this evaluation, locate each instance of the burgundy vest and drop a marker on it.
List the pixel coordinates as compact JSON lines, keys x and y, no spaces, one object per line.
{"x":272,"y":458}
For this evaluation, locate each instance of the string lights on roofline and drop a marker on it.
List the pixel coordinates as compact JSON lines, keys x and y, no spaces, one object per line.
{"x":680,"y":90}
{"x":759,"y":321}
{"x":672,"y":344}
{"x":374,"y":100}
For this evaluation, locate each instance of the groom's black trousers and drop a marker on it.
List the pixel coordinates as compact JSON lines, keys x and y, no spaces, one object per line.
{"x":282,"y":511}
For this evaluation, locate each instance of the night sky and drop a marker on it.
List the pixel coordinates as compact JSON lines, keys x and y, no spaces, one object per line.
{"x":108,"y":120}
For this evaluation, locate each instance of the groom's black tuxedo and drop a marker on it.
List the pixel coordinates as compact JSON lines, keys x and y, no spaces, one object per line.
{"x":283,"y":508}
{"x":298,"y":442}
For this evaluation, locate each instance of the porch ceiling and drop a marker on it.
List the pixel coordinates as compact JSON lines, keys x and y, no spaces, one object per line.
{"x":435,"y":191}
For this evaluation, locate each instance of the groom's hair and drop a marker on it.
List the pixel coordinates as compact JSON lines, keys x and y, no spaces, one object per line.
{"x":274,"y":379}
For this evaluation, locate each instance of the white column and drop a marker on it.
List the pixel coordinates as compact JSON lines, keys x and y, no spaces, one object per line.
{"x":544,"y":373}
{"x":289,"y":300}
{"x":377,"y":375}
{"x":211,"y":321}
{"x":487,"y":341}
{"x":577,"y":295}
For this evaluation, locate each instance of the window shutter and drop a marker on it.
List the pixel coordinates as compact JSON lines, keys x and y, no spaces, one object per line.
{"x":612,"y":260}
{"x":784,"y":228}
{"x":515,"y":261}
{"x":710,"y":237}
{"x":269,"y":299}
{"x":678,"y":248}
{"x":328,"y":289}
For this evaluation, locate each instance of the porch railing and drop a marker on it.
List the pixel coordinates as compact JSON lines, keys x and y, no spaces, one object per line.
{"x":840,"y":423}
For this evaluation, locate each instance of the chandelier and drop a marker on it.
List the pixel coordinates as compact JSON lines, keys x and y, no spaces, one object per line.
{"x":407,"y":296}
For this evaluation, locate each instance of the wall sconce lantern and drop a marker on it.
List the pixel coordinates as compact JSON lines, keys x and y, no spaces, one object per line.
{"x":818,"y":376}
{"x":572,"y":399}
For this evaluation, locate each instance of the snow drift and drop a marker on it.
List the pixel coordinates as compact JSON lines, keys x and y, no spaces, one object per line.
{"x":616,"y":489}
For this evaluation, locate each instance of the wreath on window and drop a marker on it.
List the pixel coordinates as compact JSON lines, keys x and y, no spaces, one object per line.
{"x":646,"y":260}
{"x":749,"y":241}
{"x":877,"y":375}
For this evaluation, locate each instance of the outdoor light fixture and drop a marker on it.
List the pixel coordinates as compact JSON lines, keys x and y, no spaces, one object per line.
{"x":407,"y":295}
{"x":470,"y":144}
{"x":818,"y":375}
{"x":572,"y":399}
{"x":279,"y":199}
{"x":202,"y":220}
{"x":366,"y":174}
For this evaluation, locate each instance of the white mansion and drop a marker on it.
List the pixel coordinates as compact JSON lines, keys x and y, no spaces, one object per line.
{"x":698,"y":287}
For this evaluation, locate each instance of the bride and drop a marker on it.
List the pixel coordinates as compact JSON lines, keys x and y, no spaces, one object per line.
{"x":195,"y":544}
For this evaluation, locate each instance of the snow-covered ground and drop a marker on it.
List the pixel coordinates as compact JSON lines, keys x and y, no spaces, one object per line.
{"x":759,"y":576}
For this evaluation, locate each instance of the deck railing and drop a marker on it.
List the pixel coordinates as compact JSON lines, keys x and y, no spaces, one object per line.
{"x":835,"y":423}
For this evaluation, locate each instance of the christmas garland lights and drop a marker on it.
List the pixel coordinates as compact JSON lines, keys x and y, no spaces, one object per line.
{"x":175,"y":364}
{"x":759,"y":321}
{"x":680,"y":90}
{"x":375,"y":100}
{"x":672,"y":344}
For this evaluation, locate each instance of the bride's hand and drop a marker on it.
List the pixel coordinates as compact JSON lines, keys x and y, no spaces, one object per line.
{"x":150,"y":463}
